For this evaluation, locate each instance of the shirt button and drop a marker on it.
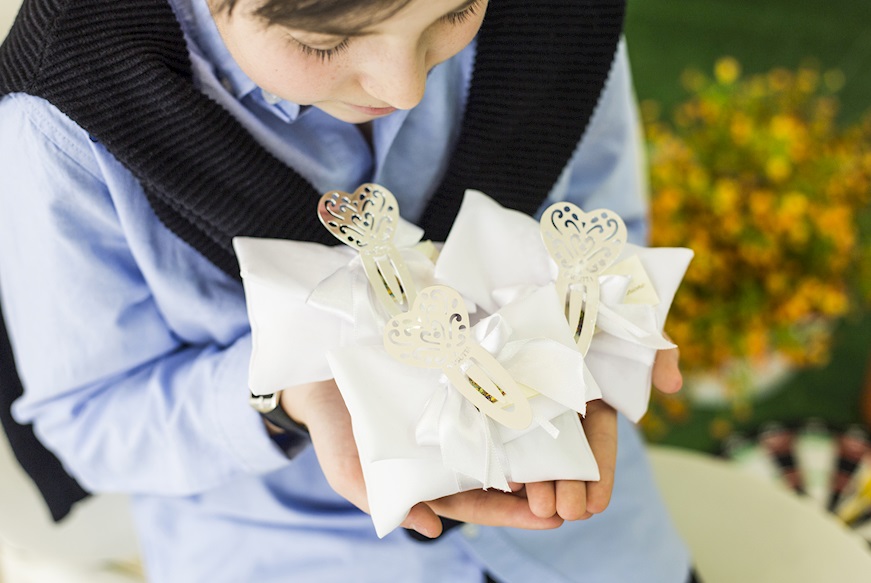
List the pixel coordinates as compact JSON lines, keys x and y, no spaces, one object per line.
{"x":225,"y":83}
{"x":470,"y":530}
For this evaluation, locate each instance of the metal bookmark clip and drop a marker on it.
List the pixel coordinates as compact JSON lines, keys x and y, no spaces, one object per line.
{"x":367,"y":221}
{"x":583,"y":245}
{"x":435,"y":334}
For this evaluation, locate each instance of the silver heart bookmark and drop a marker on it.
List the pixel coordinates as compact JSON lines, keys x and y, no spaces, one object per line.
{"x":583,"y":245}
{"x":367,"y":221}
{"x":435,"y":334}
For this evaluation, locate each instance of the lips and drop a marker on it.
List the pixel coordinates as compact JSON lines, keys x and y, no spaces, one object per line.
{"x":373,"y":111}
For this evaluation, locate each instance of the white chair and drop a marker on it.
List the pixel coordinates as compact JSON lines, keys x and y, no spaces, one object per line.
{"x":94,"y":544}
{"x":8,"y":10}
{"x":742,"y":528}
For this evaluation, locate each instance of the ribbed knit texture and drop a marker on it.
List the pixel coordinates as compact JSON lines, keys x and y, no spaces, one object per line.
{"x":121,"y":71}
{"x":539,"y":72}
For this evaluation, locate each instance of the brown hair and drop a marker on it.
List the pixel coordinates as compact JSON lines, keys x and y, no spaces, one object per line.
{"x":327,"y":16}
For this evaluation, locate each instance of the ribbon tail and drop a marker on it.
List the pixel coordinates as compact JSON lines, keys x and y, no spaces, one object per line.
{"x":496,"y":460}
{"x":619,"y":325}
{"x":469,"y":445}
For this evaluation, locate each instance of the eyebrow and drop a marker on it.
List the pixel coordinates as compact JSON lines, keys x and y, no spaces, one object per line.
{"x":337,"y":30}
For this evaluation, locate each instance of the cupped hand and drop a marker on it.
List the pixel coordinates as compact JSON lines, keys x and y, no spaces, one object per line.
{"x":321,"y":408}
{"x":577,"y":500}
{"x":539,"y":505}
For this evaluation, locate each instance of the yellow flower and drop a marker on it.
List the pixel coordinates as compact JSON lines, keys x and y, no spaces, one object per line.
{"x":776,"y":282}
{"x":726,"y":195}
{"x":758,"y":178}
{"x":793,"y":309}
{"x":692,"y":80}
{"x":727,"y":70}
{"x":757,"y":341}
{"x":697,"y":179}
{"x":779,"y":80}
{"x":761,"y":203}
{"x":795,"y":204}
{"x":798,"y":233}
{"x":720,"y":428}
{"x":778,"y":169}
{"x":833,"y":302}
{"x":808,"y":80}
{"x":741,"y":129}
{"x":784,"y":127}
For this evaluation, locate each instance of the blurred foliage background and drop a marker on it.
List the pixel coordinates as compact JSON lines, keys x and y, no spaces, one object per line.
{"x":671,"y":41}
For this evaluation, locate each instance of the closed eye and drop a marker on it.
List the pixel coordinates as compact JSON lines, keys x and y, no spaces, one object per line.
{"x":460,"y":16}
{"x":322,"y":54}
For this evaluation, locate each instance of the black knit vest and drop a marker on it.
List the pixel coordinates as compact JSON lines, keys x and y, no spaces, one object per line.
{"x":121,"y":71}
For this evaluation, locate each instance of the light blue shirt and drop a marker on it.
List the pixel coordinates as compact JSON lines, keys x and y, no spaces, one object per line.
{"x":134,"y":349}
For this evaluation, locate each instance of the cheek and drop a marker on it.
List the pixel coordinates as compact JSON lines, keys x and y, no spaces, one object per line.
{"x":300,"y":79}
{"x":280,"y":68}
{"x":449,"y":43}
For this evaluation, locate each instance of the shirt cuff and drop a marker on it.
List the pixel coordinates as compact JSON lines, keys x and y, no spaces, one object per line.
{"x":238,"y":426}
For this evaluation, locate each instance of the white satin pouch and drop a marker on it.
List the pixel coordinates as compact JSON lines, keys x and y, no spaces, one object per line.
{"x":419,"y":439}
{"x":289,"y":337}
{"x":510,"y":261}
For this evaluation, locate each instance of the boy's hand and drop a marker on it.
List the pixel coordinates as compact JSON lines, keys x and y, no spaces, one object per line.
{"x":321,"y":408}
{"x":575,"y":500}
{"x":546,"y":505}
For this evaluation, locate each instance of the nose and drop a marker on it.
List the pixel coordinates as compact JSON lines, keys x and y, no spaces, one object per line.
{"x":398,"y":77}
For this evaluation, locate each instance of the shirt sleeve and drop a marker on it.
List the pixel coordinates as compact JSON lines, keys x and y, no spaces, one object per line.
{"x":608,"y":169}
{"x":126,"y":400}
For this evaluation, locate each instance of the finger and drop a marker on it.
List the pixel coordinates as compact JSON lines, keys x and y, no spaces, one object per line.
{"x":492,"y":508}
{"x":542,"y":498}
{"x":666,"y":371}
{"x":600,"y":426}
{"x":329,"y":424}
{"x":517,"y":488}
{"x":422,"y":519}
{"x":571,"y":499}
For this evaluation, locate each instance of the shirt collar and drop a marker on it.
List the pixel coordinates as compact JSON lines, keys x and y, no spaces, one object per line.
{"x":207,"y":38}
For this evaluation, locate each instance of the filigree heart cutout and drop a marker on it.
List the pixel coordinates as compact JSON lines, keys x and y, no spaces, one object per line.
{"x":582,"y":243}
{"x":435,"y":333}
{"x":365,"y":220}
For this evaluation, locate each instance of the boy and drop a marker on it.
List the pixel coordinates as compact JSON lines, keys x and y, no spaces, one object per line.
{"x":138,"y":139}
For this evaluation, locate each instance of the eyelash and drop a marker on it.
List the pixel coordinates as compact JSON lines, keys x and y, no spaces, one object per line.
{"x":463,"y":15}
{"x":324,"y":55}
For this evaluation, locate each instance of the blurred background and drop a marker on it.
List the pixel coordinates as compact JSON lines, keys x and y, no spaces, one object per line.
{"x":758,"y":124}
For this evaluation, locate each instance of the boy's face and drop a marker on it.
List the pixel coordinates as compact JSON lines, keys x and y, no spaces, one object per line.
{"x":355,"y":77}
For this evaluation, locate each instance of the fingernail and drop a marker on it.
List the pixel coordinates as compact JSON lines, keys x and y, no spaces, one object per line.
{"x":420,"y":530}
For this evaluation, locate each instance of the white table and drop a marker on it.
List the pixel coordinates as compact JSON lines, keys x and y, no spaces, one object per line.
{"x":743,"y":529}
